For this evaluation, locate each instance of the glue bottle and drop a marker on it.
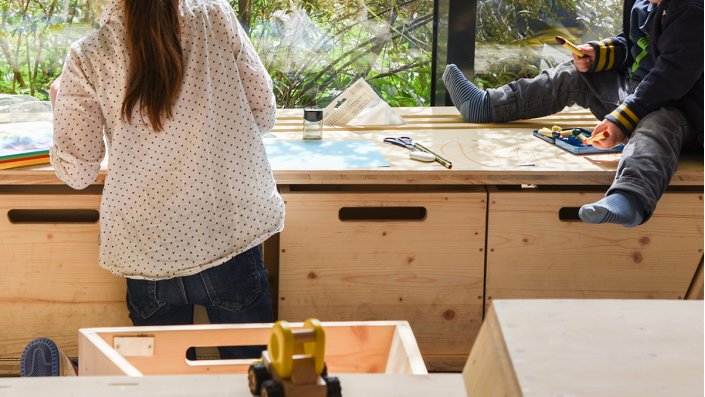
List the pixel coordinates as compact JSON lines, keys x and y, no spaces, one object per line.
{"x":313,"y":126}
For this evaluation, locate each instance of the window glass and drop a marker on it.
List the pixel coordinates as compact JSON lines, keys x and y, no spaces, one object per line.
{"x":312,"y":48}
{"x":34,"y":39}
{"x":516,"y":38}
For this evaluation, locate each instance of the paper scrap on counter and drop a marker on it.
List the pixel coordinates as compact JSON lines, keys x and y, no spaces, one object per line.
{"x":323,"y":155}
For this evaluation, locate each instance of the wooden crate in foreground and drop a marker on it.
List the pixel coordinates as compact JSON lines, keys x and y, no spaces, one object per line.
{"x":351,"y":347}
{"x":588,"y":347}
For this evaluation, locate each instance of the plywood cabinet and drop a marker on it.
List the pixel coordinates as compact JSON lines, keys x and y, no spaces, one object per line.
{"x":388,"y":256}
{"x":538,"y":249}
{"x":413,"y":241}
{"x":51,"y":284}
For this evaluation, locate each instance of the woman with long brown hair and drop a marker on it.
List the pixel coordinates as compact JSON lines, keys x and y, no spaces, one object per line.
{"x":181,"y":98}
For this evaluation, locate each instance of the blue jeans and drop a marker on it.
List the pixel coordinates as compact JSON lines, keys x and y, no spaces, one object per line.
{"x":236,"y":291}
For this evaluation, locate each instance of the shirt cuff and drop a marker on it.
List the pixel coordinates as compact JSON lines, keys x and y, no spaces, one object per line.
{"x":604,"y":56}
{"x":625,"y":118}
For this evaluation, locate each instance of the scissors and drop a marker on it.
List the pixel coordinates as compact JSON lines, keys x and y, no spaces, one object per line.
{"x":403,"y":141}
{"x":416,"y":153}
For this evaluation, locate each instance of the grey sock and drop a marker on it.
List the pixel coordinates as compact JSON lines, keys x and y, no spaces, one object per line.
{"x":472,"y":102}
{"x":616,"y":208}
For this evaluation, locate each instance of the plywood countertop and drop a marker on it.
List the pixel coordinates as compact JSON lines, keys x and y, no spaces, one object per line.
{"x":482,"y":154}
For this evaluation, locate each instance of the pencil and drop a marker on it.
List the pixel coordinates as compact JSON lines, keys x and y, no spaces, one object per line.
{"x":572,"y":47}
{"x":602,"y":135}
{"x":439,"y":159}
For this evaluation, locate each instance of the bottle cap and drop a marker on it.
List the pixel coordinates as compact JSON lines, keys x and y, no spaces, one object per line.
{"x":313,"y":114}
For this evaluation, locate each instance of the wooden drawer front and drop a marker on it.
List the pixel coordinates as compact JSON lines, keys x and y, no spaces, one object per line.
{"x":428,"y":272}
{"x":533,"y":254}
{"x":51,"y":283}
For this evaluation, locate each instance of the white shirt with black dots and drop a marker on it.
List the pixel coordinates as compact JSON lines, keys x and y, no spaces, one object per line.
{"x":201,"y":191}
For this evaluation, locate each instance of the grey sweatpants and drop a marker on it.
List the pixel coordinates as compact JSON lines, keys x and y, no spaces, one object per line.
{"x":650,"y":157}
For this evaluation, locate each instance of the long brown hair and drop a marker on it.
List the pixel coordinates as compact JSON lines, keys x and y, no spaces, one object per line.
{"x":156,"y":67}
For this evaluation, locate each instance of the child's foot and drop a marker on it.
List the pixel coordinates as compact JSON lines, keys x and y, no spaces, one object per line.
{"x":473,"y":103}
{"x":40,"y":358}
{"x":615,"y":208}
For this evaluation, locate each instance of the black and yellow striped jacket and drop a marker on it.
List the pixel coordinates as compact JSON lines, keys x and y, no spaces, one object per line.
{"x":666,"y":61}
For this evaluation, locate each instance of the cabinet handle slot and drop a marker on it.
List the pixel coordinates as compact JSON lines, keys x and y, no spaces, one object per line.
{"x":347,"y":214}
{"x":569,"y":214}
{"x":53,"y":216}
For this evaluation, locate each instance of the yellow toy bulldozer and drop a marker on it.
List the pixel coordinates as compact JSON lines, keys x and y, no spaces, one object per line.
{"x":293,"y":364}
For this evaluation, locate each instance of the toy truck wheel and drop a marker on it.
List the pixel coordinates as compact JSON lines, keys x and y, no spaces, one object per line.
{"x":272,"y":388}
{"x":256,"y":375}
{"x":333,"y":387}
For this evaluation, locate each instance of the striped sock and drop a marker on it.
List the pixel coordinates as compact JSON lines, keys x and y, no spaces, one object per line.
{"x":473,"y":103}
{"x":615,"y":208}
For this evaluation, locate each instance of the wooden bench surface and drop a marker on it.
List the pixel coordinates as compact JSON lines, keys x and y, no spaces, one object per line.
{"x":486,"y":154}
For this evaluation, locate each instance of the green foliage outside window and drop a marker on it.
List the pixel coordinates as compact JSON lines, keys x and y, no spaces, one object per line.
{"x":315,"y":48}
{"x":512,"y":34}
{"x":34,"y":38}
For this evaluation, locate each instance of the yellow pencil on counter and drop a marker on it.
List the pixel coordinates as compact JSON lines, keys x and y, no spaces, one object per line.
{"x":572,"y":47}
{"x":602,"y":135}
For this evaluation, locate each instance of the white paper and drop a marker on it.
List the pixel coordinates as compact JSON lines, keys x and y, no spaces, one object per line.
{"x":359,"y":105}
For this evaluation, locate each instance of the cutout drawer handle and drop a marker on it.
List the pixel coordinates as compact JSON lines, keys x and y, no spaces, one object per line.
{"x":347,"y":214}
{"x":569,"y":214}
{"x":54,"y":216}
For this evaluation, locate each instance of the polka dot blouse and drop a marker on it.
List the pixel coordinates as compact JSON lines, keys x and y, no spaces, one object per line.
{"x":201,"y":191}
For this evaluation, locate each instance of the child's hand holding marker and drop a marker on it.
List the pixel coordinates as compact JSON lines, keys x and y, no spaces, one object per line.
{"x":572,"y":47}
{"x":606,"y":135}
{"x":583,"y":54}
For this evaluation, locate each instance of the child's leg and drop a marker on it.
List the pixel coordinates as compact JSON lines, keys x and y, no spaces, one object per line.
{"x":648,"y":162}
{"x":545,"y":94}
{"x":472,"y":102}
{"x":619,"y":207}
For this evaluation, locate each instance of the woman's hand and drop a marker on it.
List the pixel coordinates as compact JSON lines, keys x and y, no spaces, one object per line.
{"x":613,"y":135}
{"x":583,"y":63}
{"x":54,"y":90}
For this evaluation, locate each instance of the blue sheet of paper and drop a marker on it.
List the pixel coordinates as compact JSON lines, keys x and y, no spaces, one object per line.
{"x":323,"y":155}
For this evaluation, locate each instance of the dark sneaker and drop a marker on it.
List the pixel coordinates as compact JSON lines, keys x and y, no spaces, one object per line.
{"x":40,"y":358}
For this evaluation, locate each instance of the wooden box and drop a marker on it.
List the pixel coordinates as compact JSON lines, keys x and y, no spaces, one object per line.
{"x":415,"y":256}
{"x":351,"y":347}
{"x":538,"y":248}
{"x":51,"y":284}
{"x":596,"y":348}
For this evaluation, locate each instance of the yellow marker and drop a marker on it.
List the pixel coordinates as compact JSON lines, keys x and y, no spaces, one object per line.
{"x":545,"y":132}
{"x":572,"y":47}
{"x":439,"y":159}
{"x":602,"y":135}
